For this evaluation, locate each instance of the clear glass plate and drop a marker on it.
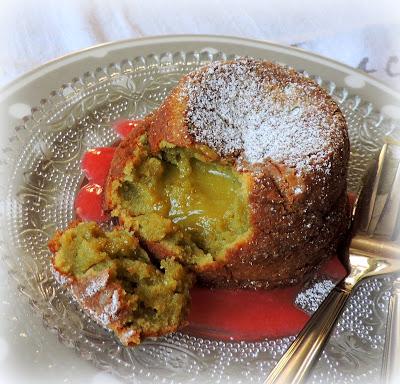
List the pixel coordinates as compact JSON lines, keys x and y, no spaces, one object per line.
{"x":46,"y":152}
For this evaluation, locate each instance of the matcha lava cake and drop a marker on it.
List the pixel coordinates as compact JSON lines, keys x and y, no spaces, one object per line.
{"x":240,"y":175}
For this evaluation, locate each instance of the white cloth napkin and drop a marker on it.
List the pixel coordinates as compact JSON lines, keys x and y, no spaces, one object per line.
{"x":360,"y":33}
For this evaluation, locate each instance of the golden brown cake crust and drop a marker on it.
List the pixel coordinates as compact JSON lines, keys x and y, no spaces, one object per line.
{"x":297,"y":199}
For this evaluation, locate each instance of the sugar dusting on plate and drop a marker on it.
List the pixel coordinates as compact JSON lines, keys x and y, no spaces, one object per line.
{"x":260,"y":111}
{"x":311,"y":298}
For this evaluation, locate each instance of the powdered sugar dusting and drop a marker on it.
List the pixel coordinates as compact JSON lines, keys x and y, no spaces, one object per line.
{"x":298,"y":190}
{"x":126,"y":335}
{"x":61,"y":278}
{"x":95,"y":285}
{"x":259,"y":112}
{"x":101,"y":302}
{"x":111,"y":309}
{"x":310,"y":299}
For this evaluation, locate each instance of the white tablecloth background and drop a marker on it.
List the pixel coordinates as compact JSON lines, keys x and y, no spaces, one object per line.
{"x":360,"y":33}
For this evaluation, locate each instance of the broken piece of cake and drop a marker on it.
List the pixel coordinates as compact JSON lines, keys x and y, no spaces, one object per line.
{"x":114,"y":280}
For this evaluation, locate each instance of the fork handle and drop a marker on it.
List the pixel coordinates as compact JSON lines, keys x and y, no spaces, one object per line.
{"x":391,"y":355}
{"x":295,"y":365}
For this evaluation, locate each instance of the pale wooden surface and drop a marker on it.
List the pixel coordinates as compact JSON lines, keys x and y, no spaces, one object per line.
{"x":357,"y":32}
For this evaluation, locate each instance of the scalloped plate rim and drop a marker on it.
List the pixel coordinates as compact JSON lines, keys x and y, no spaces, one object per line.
{"x":8,"y":89}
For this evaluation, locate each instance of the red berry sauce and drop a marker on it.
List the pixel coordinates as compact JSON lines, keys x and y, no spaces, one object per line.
{"x":96,"y":163}
{"x":124,"y":127}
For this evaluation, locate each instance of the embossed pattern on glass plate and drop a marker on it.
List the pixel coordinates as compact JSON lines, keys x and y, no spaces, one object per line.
{"x":45,"y":154}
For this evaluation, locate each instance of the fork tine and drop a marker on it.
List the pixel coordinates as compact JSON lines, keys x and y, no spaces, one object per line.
{"x":388,"y":222}
{"x":371,"y":224}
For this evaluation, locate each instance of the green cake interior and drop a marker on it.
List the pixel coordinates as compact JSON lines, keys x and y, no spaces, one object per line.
{"x":179,"y":198}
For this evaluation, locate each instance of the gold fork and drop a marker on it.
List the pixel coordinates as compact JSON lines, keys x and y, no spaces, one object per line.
{"x":367,"y":257}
